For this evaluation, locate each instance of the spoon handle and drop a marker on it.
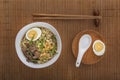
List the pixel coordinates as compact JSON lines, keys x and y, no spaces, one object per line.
{"x":79,"y":58}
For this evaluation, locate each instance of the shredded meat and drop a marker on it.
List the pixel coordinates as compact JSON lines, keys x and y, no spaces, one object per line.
{"x":31,"y":52}
{"x":27,"y":45}
{"x":32,"y":49}
{"x":36,"y":55}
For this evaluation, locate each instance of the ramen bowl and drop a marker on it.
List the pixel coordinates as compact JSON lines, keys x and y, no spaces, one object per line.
{"x":20,"y":36}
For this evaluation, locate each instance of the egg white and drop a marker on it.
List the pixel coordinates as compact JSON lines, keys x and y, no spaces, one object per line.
{"x":102,"y":51}
{"x":39,"y":32}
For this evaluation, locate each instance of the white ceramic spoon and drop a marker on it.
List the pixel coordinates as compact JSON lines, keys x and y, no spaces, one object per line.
{"x":84,"y":44}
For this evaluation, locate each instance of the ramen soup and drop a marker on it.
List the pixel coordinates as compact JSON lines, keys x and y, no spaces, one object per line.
{"x":39,"y":45}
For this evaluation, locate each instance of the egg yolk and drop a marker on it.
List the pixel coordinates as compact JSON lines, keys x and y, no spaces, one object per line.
{"x":32,"y":34}
{"x":98,"y":46}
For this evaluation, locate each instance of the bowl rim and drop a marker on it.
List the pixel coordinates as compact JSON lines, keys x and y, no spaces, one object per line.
{"x":20,"y":35}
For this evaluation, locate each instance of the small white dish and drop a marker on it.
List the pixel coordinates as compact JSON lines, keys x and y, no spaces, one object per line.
{"x":20,"y":35}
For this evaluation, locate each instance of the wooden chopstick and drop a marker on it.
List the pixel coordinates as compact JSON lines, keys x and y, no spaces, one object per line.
{"x":63,"y":16}
{"x":96,"y":17}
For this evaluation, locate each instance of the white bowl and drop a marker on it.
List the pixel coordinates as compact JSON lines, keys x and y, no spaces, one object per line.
{"x":20,"y":35}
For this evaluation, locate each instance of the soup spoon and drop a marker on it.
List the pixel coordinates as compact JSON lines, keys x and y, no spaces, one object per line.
{"x":84,"y":43}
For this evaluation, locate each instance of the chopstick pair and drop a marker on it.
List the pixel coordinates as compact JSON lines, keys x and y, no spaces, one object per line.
{"x":95,"y":16}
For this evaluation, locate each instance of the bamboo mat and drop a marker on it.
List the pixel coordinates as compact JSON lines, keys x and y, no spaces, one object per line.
{"x":14,"y":14}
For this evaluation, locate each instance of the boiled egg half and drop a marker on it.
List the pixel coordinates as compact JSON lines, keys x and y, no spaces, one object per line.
{"x":33,"y":34}
{"x":98,"y":47}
